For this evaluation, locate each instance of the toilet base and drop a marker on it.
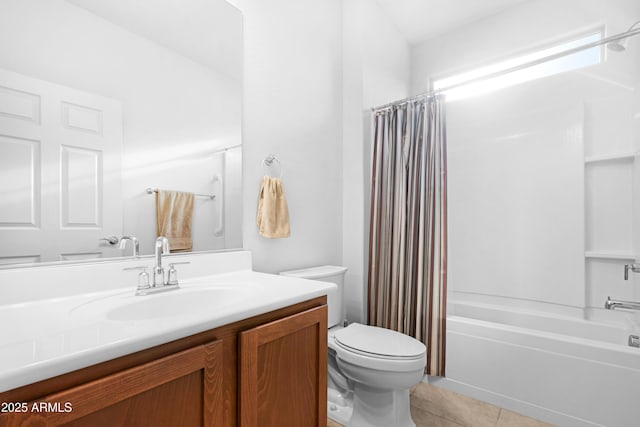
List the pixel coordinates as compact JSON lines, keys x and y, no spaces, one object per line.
{"x":380,"y":408}
{"x":339,"y":407}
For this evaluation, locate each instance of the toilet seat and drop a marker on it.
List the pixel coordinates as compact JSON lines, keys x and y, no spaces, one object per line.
{"x":379,"y":348}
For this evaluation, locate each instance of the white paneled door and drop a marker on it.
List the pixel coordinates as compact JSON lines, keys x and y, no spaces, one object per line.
{"x":60,"y":160}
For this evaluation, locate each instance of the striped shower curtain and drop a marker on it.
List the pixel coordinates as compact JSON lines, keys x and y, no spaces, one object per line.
{"x":407,"y":278}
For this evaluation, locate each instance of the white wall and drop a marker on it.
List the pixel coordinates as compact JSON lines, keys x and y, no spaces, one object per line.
{"x":376,"y":67}
{"x":313,"y":70}
{"x":176,"y":111}
{"x":292,"y":109}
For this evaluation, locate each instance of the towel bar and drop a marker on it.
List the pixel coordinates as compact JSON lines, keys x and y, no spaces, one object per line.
{"x":208,"y":196}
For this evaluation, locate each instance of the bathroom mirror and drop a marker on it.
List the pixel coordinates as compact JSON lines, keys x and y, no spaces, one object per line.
{"x":101,"y":104}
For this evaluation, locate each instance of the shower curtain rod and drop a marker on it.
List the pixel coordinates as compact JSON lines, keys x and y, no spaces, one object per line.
{"x":434,"y":92}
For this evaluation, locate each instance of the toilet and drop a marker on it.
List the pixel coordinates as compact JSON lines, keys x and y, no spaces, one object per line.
{"x":370,"y":369}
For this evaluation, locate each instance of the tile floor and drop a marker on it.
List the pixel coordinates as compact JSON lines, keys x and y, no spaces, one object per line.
{"x":436,"y":407}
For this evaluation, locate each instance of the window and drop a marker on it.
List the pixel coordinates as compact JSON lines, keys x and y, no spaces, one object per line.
{"x":574,"y":61}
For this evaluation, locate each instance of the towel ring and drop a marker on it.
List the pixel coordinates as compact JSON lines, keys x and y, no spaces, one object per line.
{"x":269,"y":162}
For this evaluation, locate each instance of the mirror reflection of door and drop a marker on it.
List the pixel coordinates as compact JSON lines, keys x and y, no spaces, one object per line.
{"x":60,"y":161}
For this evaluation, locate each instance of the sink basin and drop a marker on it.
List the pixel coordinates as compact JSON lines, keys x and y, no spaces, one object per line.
{"x":180,"y":302}
{"x":176,"y":303}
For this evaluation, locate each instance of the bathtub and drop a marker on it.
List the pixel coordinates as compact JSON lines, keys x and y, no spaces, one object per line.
{"x":564,"y":370}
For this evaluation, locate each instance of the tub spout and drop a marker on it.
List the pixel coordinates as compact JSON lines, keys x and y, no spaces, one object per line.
{"x":611,"y":304}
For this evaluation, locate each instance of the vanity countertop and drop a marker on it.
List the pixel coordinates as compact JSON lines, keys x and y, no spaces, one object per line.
{"x":47,"y":337}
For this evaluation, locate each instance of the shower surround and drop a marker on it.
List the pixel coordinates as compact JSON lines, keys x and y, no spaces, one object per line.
{"x":543,"y":202}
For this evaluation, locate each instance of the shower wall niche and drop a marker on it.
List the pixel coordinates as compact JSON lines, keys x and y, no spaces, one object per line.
{"x":611,"y":195}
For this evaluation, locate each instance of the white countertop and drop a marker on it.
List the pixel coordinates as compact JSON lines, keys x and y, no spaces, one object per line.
{"x":44,"y":338}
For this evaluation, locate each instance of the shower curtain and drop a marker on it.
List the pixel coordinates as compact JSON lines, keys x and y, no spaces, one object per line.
{"x":407,"y":278}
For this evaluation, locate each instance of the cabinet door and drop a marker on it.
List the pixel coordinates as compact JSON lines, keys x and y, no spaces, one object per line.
{"x":183,"y":389}
{"x":283,"y":372}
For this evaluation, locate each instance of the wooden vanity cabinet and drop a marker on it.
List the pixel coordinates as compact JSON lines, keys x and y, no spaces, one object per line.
{"x":269,"y":370}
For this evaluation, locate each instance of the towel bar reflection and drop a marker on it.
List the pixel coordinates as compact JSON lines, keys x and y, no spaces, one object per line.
{"x":208,"y":196}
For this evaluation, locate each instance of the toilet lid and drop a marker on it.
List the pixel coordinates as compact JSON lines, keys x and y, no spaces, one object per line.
{"x":379,"y":341}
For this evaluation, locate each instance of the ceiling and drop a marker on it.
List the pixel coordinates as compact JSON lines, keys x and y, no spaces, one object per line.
{"x":420,"y":20}
{"x":186,"y":26}
{"x":206,"y":31}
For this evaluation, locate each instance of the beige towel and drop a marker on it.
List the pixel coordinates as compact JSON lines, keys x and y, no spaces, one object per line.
{"x":174,"y":215}
{"x":273,"y":212}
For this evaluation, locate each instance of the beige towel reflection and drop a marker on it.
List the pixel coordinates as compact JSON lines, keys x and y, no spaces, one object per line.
{"x":174,"y":215}
{"x":273,"y":212}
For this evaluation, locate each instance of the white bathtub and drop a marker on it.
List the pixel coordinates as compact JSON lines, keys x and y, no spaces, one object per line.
{"x":563,"y":370}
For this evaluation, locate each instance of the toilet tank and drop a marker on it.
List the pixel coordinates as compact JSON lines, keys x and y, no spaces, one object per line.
{"x":335,"y":298}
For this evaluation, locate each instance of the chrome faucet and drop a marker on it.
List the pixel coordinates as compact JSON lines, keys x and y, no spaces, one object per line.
{"x":135,"y":244}
{"x":633,"y":267}
{"x":162,"y":248}
{"x":611,"y":304}
{"x":161,"y":282}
